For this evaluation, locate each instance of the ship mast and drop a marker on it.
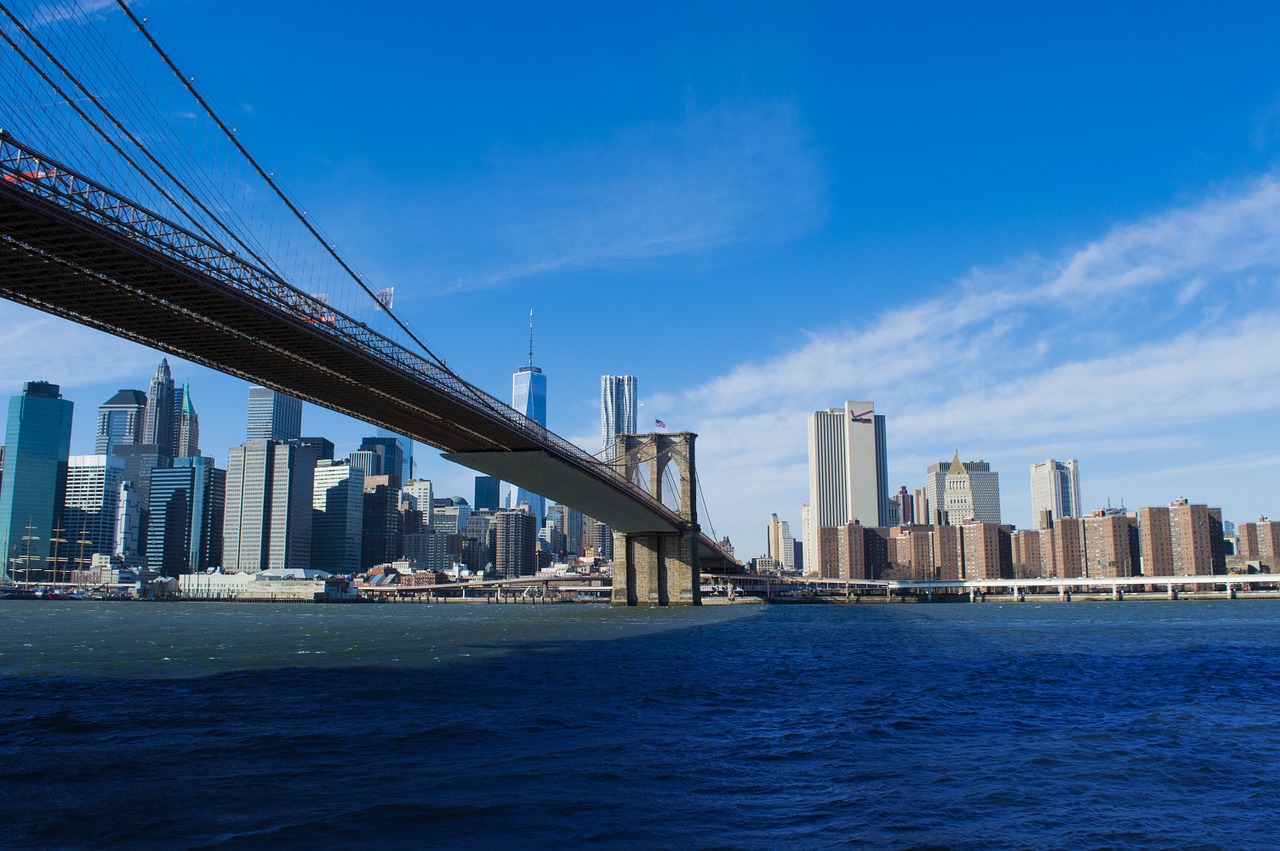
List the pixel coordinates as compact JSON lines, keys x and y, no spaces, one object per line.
{"x":26,"y":559}
{"x":55,"y":538}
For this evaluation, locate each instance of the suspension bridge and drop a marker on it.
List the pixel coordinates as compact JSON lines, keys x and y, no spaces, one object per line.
{"x":109,"y":218}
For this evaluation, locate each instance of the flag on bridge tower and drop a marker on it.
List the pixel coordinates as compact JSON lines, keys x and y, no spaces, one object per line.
{"x":659,"y":423}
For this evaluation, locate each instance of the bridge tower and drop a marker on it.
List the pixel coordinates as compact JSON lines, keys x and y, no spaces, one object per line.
{"x":658,"y":568}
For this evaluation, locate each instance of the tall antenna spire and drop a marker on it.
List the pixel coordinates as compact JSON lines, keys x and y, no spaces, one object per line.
{"x":531,"y":337}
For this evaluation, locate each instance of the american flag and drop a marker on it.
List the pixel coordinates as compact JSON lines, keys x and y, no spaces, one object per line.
{"x":659,"y":423}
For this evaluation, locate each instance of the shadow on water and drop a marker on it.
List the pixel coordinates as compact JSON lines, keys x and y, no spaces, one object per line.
{"x":785,"y":727}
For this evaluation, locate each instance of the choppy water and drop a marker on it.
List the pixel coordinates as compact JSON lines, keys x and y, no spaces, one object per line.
{"x":968,"y":726}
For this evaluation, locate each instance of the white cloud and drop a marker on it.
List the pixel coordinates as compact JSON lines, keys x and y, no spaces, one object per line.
{"x":1135,"y":349}
{"x":35,"y":346}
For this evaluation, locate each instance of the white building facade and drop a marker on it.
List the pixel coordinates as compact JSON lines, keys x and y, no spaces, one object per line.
{"x":92,"y":502}
{"x":1055,"y":487}
{"x":847,"y":477}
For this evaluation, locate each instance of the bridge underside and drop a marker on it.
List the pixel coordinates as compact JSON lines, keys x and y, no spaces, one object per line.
{"x":61,"y":263}
{"x":544,"y":474}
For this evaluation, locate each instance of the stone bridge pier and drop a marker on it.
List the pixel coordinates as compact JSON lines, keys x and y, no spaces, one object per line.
{"x":659,"y":568}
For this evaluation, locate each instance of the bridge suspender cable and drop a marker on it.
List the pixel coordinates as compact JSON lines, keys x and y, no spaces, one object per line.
{"x":270,"y":181}
{"x":130,"y":136}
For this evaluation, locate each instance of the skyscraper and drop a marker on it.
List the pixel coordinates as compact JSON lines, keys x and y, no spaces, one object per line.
{"x":617,"y":410}
{"x":169,"y":522}
{"x":208,"y":511}
{"x":92,"y":500}
{"x":961,"y":491}
{"x":120,"y":420}
{"x":421,"y":492}
{"x":529,"y":397}
{"x":406,"y":471}
{"x":273,"y":416}
{"x":338,"y":520}
{"x":1055,"y":487}
{"x":390,"y":452}
{"x":268,"y":506}
{"x":848,"y":479}
{"x":486,"y":495}
{"x":781,"y":545}
{"x":381,"y":537}
{"x":158,"y":428}
{"x":37,"y":448}
{"x":186,"y":425}
{"x":515,"y":544}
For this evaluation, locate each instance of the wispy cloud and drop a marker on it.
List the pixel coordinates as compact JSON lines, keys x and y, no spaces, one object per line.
{"x":34,"y":346}
{"x":73,"y":10}
{"x":722,"y":177}
{"x":1151,"y":338}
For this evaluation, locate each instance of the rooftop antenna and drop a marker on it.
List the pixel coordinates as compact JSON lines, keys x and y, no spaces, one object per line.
{"x":531,"y":338}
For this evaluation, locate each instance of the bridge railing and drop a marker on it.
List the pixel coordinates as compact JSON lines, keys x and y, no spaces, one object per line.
{"x":46,"y":178}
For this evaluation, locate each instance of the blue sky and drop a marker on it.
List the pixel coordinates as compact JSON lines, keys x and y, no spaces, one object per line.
{"x":1024,"y":230}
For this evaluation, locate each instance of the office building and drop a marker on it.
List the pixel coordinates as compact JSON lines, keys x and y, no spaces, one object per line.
{"x":421,"y":493}
{"x":273,"y":416}
{"x":906,"y":506}
{"x":450,"y":514}
{"x":618,"y":409}
{"x":389,"y":452}
{"x":1055,"y":487}
{"x":140,"y":462}
{"x":405,"y":447}
{"x":381,"y":535}
{"x":186,"y":425}
{"x":321,"y":447}
{"x":487,"y":493}
{"x":367,"y":460}
{"x":529,"y":397}
{"x":91,"y":502}
{"x":961,"y":492}
{"x":158,"y":428}
{"x":37,"y":449}
{"x":268,"y":507}
{"x":128,"y":533}
{"x":208,"y":500}
{"x":920,"y":507}
{"x":808,"y":542}
{"x":847,"y":467}
{"x":781,"y":546}
{"x":169,"y":520}
{"x":337,"y":525}
{"x":120,"y":421}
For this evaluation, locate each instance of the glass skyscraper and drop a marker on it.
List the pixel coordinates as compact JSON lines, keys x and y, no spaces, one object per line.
{"x":406,"y":455}
{"x":617,"y":410}
{"x":273,"y":416}
{"x":529,"y":397}
{"x":37,"y":448}
{"x":184,"y":531}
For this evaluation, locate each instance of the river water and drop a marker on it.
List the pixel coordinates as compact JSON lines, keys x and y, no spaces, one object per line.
{"x":1135,"y":724}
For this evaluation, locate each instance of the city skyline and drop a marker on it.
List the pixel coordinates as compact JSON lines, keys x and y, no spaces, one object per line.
{"x":973,"y":288}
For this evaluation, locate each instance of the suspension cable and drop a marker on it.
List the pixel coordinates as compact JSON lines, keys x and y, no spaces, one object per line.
{"x":189,"y":83}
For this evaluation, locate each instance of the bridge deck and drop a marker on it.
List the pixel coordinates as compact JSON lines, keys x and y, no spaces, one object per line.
{"x":60,"y":255}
